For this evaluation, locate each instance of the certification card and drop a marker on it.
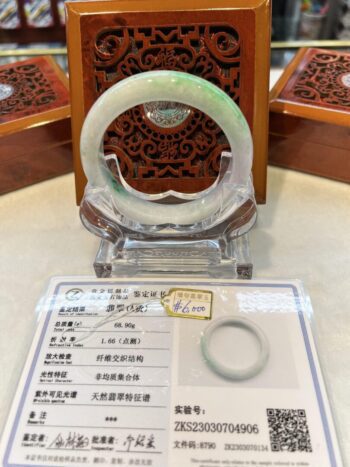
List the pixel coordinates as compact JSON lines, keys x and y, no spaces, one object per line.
{"x":113,"y":379}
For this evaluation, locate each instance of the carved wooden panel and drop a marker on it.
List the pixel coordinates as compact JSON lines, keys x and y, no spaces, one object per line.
{"x":165,"y":146}
{"x":322,"y":79}
{"x":155,"y":160}
{"x":30,"y":87}
{"x":250,"y":20}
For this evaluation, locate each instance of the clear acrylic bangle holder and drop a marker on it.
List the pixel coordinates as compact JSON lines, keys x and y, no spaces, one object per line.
{"x":210,"y":248}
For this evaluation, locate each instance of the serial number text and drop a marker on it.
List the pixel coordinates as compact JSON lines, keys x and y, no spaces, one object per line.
{"x":214,"y":427}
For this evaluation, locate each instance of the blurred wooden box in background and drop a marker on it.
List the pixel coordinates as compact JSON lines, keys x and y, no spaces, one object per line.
{"x":310,"y":115}
{"x":35,"y":132}
{"x":226,"y":42}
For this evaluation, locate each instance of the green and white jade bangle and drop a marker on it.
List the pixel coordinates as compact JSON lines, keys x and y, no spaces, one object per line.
{"x":169,"y":86}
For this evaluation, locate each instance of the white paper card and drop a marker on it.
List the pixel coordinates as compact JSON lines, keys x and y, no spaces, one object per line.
{"x":111,"y":379}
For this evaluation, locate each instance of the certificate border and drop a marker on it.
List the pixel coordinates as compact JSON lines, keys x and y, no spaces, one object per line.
{"x":321,"y":405}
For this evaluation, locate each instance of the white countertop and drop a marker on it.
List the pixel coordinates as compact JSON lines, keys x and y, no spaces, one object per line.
{"x":302,"y":232}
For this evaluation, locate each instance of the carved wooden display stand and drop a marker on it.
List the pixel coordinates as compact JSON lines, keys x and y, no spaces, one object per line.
{"x":35,"y":136}
{"x":310,"y":115}
{"x":228,"y":45}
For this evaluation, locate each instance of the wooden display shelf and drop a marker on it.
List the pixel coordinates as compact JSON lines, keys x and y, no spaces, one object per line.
{"x":310,"y":115}
{"x":35,"y":133}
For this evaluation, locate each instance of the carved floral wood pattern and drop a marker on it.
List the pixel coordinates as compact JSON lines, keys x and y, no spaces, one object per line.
{"x":153,"y":155}
{"x":28,"y":88}
{"x":322,"y":79}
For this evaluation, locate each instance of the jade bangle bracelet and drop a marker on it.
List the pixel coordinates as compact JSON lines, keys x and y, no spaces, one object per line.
{"x":178,"y":87}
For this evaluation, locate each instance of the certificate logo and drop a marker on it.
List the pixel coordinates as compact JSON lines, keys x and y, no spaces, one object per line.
{"x":74,"y":294}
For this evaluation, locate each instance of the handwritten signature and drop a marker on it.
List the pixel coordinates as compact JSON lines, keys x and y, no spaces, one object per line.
{"x":72,"y":441}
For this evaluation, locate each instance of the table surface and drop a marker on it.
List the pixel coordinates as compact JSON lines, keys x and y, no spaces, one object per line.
{"x":302,"y":233}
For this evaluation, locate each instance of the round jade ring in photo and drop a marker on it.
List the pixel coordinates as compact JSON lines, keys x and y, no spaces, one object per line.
{"x":227,"y":371}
